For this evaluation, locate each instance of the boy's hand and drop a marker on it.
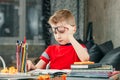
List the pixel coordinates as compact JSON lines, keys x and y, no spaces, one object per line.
{"x":71,"y":31}
{"x":30,"y":65}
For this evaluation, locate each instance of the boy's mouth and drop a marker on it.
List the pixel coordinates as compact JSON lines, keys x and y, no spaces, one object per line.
{"x":60,"y":40}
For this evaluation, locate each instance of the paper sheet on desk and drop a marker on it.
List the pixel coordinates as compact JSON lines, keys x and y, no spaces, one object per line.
{"x":8,"y":75}
{"x":48,"y":71}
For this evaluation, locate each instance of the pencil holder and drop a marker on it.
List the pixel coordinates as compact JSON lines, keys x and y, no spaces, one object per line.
{"x":21,"y":56}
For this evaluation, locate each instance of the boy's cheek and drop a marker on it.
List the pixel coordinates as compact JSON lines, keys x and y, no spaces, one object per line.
{"x":70,"y":31}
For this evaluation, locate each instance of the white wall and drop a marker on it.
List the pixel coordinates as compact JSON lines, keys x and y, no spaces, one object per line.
{"x":105,"y":15}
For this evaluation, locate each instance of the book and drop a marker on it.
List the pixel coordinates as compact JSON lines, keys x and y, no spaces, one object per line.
{"x":86,"y":62}
{"x":98,"y":72}
{"x":86,"y":65}
{"x":103,"y":68}
{"x":37,"y":72}
{"x":85,"y":78}
{"x":89,"y":74}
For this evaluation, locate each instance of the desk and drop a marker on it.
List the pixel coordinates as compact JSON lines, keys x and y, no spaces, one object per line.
{"x":24,"y":76}
{"x":19,"y":78}
{"x":56,"y":78}
{"x":7,"y":76}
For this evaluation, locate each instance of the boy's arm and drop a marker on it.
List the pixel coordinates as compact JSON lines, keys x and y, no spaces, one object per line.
{"x":41,"y":64}
{"x":80,"y":50}
{"x":30,"y":65}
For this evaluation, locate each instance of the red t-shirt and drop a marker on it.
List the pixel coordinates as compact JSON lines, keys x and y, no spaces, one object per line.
{"x":60,"y":56}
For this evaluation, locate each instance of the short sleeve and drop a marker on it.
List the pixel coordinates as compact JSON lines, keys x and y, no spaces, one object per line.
{"x":46,"y":55}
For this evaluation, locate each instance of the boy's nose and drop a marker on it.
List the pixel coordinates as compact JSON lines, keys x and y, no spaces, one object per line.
{"x":58,"y":35}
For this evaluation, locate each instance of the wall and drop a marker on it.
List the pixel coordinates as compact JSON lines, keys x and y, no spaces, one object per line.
{"x":105,"y":15}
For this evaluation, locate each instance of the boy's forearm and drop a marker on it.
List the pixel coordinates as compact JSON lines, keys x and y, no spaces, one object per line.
{"x":81,"y":52}
{"x":40,"y":65}
{"x":30,"y":65}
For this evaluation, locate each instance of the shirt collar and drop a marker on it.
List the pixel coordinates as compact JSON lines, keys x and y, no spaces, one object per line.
{"x":65,"y":44}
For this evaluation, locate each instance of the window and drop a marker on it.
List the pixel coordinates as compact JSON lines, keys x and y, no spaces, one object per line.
{"x":19,"y":18}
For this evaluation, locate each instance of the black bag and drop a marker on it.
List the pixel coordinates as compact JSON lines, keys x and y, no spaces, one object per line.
{"x":89,"y":42}
{"x":106,"y":47}
{"x":113,"y":58}
{"x":95,"y":53}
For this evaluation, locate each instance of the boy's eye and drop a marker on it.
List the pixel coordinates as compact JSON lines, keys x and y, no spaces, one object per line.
{"x":61,"y":29}
{"x":58,"y":29}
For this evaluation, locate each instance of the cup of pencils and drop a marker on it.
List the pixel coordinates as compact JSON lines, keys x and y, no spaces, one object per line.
{"x":21,"y":55}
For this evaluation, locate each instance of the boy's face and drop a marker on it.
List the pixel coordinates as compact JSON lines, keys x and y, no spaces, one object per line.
{"x":61,"y":31}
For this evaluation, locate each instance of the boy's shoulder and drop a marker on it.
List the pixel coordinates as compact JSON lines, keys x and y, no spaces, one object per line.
{"x":58,"y":45}
{"x":53,"y":45}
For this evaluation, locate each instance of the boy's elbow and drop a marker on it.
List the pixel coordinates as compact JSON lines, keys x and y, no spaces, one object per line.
{"x":86,"y":58}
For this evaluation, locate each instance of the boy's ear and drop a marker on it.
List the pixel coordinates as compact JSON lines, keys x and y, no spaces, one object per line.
{"x":74,"y":28}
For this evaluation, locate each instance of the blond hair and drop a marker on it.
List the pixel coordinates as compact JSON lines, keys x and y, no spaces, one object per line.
{"x":62,"y":15}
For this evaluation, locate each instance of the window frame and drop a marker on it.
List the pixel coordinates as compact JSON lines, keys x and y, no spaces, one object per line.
{"x":22,"y":28}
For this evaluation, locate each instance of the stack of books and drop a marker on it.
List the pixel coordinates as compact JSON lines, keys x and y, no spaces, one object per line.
{"x":90,"y":69}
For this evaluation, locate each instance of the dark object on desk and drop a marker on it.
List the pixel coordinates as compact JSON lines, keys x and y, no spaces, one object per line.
{"x":58,"y":74}
{"x":113,"y":58}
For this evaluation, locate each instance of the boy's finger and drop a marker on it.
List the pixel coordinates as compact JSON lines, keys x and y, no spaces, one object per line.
{"x":28,"y":67}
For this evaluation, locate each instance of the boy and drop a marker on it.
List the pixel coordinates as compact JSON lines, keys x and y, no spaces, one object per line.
{"x":68,"y":50}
